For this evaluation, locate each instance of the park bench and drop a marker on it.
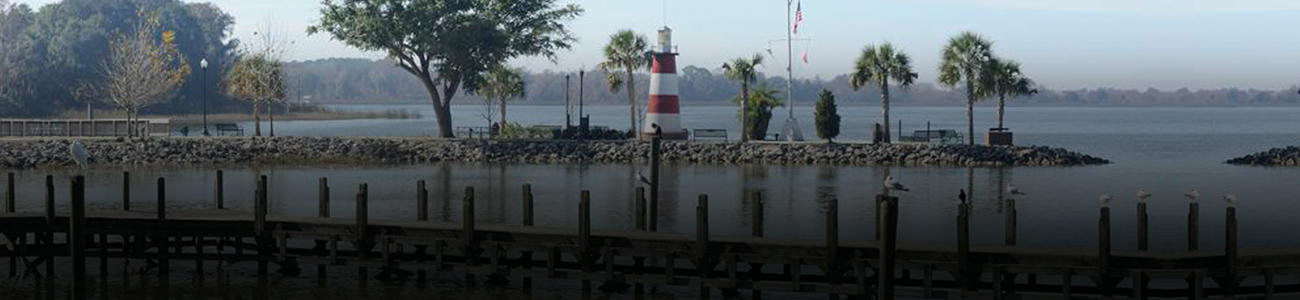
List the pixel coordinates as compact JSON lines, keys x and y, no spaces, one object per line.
{"x":234,"y":129}
{"x":474,"y":132}
{"x":710,"y":133}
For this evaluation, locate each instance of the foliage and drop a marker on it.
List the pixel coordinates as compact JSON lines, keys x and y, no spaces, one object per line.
{"x":594,"y":133}
{"x":502,"y":84}
{"x":143,"y":67}
{"x":827,"y":116}
{"x":967,"y":58}
{"x":259,"y":79}
{"x":624,"y":55}
{"x":449,"y":44}
{"x":761,"y":102}
{"x":741,"y":69}
{"x":1008,"y":82}
{"x":878,"y":66}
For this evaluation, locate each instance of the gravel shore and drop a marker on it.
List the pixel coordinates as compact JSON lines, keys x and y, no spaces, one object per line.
{"x":33,"y":153}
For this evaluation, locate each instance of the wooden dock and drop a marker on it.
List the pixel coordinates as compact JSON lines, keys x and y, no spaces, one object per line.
{"x":720,"y":266}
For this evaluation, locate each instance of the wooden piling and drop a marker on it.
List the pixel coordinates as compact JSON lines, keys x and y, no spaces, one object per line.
{"x":162,"y":198}
{"x":1010,"y":222}
{"x":702,"y":243}
{"x":1193,"y":226}
{"x":888,"y":221}
{"x":756,"y":207}
{"x":77,"y":241}
{"x":833,"y":270}
{"x":654,"y":184}
{"x":363,"y":214}
{"x":584,"y":237}
{"x":966,"y":277}
{"x":323,"y":198}
{"x":126,"y":191}
{"x":260,"y":208}
{"x":1230,"y":250}
{"x":220,"y":190}
{"x":1103,"y":238}
{"x":527,"y":221}
{"x":49,"y":225}
{"x":422,"y":201}
{"x":164,"y":262}
{"x":1142,"y":226}
{"x":10,"y":206}
{"x":639,"y":209}
{"x":471,"y":241}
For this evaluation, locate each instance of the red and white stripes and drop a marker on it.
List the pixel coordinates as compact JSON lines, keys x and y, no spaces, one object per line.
{"x":663,"y":106}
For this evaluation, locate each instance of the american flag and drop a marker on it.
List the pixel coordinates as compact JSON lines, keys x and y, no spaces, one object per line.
{"x":798,"y":17}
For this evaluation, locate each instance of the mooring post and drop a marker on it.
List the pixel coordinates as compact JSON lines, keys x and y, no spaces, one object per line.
{"x":1193,"y":226}
{"x":1011,"y":222}
{"x":654,"y":183}
{"x":639,"y":209}
{"x":49,"y":226}
{"x":260,"y":208}
{"x":10,"y":206}
{"x":471,"y":242}
{"x":323,"y":198}
{"x":1103,"y":238}
{"x":1142,"y":226}
{"x":584,"y":237}
{"x":1230,"y":250}
{"x":221,"y":189}
{"x":756,"y":206}
{"x":705,"y":265}
{"x":833,"y":244}
{"x":77,"y":239}
{"x":888,"y":221}
{"x":967,"y":277}
{"x":362,"y":227}
{"x":527,"y":256}
{"x":162,"y":198}
{"x":126,"y":191}
{"x":421,"y":201}
{"x":164,"y":262}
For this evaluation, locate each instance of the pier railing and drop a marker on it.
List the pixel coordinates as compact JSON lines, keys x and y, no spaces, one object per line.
{"x":83,"y":127}
{"x":717,"y":265}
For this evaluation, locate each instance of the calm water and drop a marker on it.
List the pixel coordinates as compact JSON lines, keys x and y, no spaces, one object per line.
{"x":1165,"y":150}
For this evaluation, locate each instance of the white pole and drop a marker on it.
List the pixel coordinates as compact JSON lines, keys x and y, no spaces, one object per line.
{"x":789,"y":66}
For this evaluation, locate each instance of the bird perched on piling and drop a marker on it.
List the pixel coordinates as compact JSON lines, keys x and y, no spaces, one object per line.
{"x":894,"y":185}
{"x":1105,"y":200}
{"x":1231,"y":199}
{"x":1014,"y":190}
{"x":1143,"y":195}
{"x":79,"y":155}
{"x":1192,"y":195}
{"x":644,"y":180}
{"x":962,"y":196}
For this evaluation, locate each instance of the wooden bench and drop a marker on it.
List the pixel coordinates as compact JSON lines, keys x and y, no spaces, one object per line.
{"x":474,"y":132}
{"x":223,"y":128}
{"x":710,"y":133}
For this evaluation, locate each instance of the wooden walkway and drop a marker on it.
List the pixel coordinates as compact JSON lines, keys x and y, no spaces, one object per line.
{"x":720,"y":266}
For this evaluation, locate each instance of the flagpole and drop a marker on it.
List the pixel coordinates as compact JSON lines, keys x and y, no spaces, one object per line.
{"x":792,"y":132}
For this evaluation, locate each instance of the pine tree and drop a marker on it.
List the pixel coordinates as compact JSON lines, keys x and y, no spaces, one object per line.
{"x":827,"y":116}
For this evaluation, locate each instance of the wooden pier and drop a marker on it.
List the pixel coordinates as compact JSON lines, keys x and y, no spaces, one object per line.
{"x":720,"y":266}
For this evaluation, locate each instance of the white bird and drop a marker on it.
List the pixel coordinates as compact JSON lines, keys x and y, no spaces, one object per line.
{"x":1192,"y":195}
{"x":892,"y":184}
{"x":1231,"y":199}
{"x":1143,"y":195}
{"x":1014,"y":190}
{"x":1105,"y":199}
{"x":78,"y":151}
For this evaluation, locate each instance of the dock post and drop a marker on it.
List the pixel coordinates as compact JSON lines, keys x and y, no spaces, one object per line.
{"x":1193,"y":226}
{"x":10,"y":206}
{"x":49,"y":226}
{"x":756,"y":269}
{"x":162,"y":198}
{"x":1230,"y":250}
{"x":584,"y":237}
{"x":363,"y":242}
{"x":527,"y":256}
{"x":471,"y":243}
{"x":323,"y":198}
{"x":654,"y":184}
{"x":833,"y":270}
{"x":967,"y":277}
{"x":1142,"y":226}
{"x":1103,"y":237}
{"x":126,"y":191}
{"x":421,"y":201}
{"x":259,"y":225}
{"x":889,"y":247}
{"x":221,"y":189}
{"x":705,"y":265}
{"x":1011,"y":222}
{"x":164,"y":261}
{"x":639,"y":209}
{"x":77,"y":239}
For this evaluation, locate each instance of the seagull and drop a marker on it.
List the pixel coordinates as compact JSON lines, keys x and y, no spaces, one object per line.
{"x":962,"y":196}
{"x":1014,"y":190}
{"x":78,"y":152}
{"x":642,"y":178}
{"x":1192,"y":195}
{"x":1231,"y":199}
{"x":1143,"y":195}
{"x":892,"y":184}
{"x":1105,"y":200}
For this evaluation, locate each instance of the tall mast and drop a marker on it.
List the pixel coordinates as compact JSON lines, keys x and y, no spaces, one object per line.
{"x":789,"y":63}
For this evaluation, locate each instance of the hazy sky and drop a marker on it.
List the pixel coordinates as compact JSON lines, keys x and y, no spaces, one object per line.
{"x":1063,"y":44}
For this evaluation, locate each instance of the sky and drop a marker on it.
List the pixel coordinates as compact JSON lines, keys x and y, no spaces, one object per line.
{"x":1062,"y":44}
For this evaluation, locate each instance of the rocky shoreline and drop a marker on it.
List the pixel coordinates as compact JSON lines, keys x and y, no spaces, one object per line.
{"x":35,"y":153}
{"x":1288,"y":157}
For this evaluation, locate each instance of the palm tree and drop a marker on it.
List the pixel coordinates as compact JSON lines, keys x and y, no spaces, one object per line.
{"x":1009,"y":82}
{"x":625,"y":53}
{"x":966,"y":59}
{"x":742,"y":70}
{"x":879,"y":65}
{"x":501,"y":85}
{"x":761,"y":102}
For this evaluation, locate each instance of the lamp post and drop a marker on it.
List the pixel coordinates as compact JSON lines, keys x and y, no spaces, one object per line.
{"x":203,"y":65}
{"x":568,"y":113}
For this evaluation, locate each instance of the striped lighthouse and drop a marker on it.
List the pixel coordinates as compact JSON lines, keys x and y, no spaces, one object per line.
{"x":663,"y":108}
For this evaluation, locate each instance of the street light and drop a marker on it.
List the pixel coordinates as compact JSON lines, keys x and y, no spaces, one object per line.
{"x":203,"y":65}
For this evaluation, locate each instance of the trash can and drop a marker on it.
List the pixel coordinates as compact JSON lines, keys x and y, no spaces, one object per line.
{"x":999,"y":137}
{"x":877,"y":133}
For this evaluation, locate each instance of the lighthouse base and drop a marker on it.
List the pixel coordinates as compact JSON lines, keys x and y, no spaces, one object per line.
{"x":682,"y":135}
